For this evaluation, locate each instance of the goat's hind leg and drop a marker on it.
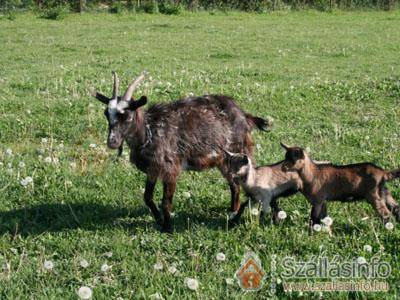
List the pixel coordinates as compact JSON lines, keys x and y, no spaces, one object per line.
{"x":379,"y":205}
{"x":148,"y":199}
{"x":391,"y":204}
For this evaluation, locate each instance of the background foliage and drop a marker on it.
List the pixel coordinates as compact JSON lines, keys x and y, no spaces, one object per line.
{"x":175,"y":6}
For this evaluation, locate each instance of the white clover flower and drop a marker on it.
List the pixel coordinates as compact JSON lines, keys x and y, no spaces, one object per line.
{"x":282,"y":215}
{"x":192,"y":283}
{"x":254,"y":211}
{"x":61,"y":145}
{"x":84,"y":263}
{"x":317,"y":227}
{"x":48,"y":159}
{"x":105,"y":268}
{"x":361,"y":260}
{"x":328,"y":221}
{"x":229,"y":281}
{"x":21,"y":164}
{"x":25,"y":181}
{"x":108,"y":254}
{"x":48,"y":265}
{"x":85,"y":292}
{"x":92,"y":145}
{"x":186,"y":194}
{"x":367,"y":248}
{"x":158,"y":266}
{"x":220,"y":256}
{"x":389,"y":226}
{"x":9,"y":152}
{"x":172,"y":269}
{"x":156,"y":296}
{"x":44,"y":140}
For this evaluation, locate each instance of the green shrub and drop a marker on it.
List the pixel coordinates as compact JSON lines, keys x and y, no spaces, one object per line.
{"x":116,"y":8}
{"x":170,"y":8}
{"x":149,"y":6}
{"x":55,"y":13}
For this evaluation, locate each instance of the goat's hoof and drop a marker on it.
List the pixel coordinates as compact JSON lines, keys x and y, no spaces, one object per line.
{"x":233,"y":223}
{"x":167,"y":229}
{"x":160,"y":221}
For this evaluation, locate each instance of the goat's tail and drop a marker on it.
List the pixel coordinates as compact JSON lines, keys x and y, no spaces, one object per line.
{"x":391,"y":175}
{"x":260,"y":123}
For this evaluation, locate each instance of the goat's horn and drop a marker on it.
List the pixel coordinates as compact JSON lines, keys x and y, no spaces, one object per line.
{"x":128,"y":94}
{"x":116,"y":85}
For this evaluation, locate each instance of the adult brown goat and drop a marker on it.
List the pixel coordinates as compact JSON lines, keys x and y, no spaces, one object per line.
{"x":189,"y":134}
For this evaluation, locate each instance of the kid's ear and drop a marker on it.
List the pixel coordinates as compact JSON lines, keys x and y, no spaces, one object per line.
{"x":133,"y":105}
{"x":284,"y":146}
{"x":245,"y":160}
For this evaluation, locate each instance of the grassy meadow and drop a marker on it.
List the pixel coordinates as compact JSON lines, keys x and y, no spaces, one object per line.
{"x":331,"y":82}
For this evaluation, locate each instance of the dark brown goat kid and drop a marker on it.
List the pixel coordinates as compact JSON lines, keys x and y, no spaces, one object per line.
{"x":188,"y":134}
{"x":325,"y":182}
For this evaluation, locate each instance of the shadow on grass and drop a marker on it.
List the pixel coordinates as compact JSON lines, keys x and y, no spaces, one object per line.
{"x":57,"y":217}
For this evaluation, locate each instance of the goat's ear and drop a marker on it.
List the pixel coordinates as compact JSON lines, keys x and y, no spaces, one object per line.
{"x":133,"y":105}
{"x":245,"y":160}
{"x":100,"y":97}
{"x":284,"y":146}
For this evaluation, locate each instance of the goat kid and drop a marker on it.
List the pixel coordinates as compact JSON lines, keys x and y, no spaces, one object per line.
{"x":328,"y":182}
{"x":188,"y":134}
{"x":263,"y":185}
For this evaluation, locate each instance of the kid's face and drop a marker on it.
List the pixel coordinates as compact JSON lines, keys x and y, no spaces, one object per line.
{"x":294,"y":160}
{"x":238,"y":165}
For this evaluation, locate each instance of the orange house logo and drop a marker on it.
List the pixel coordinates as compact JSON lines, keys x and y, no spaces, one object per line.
{"x":250,"y":275}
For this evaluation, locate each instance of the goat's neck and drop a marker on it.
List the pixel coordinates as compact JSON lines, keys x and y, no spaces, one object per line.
{"x":136,"y":136}
{"x":307,"y":173}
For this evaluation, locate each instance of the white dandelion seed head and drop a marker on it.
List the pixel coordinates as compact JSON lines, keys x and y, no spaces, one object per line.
{"x":328,"y":221}
{"x":27,"y":180}
{"x":105,"y":268}
{"x":72,"y":164}
{"x":317,"y":227}
{"x":220,"y":256}
{"x":92,"y":145}
{"x":9,"y":152}
{"x":55,"y":160}
{"x":108,"y":254}
{"x":192,"y":283}
{"x":48,"y":159}
{"x":21,"y":164}
{"x":84,"y":263}
{"x":85,"y":292}
{"x":229,"y":281}
{"x":389,"y":226}
{"x":172,"y":269}
{"x":361,"y":260}
{"x":44,"y":140}
{"x":48,"y":265}
{"x":367,"y":248}
{"x":254,"y":211}
{"x":282,"y":215}
{"x":158,"y":266}
{"x":186,"y":194}
{"x":1,"y":164}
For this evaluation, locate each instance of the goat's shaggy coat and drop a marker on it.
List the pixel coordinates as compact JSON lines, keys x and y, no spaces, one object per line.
{"x":188,"y":134}
{"x":326,"y":182}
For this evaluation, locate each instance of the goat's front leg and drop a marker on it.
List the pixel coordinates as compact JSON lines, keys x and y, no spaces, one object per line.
{"x":316,"y":212}
{"x":235,"y":195}
{"x":168,"y":194}
{"x":148,"y":199}
{"x":275,"y":209}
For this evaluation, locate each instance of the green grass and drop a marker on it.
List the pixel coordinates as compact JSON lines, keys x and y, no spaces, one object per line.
{"x":330,"y":81}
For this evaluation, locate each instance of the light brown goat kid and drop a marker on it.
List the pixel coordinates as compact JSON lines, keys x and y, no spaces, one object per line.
{"x":327,"y":182}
